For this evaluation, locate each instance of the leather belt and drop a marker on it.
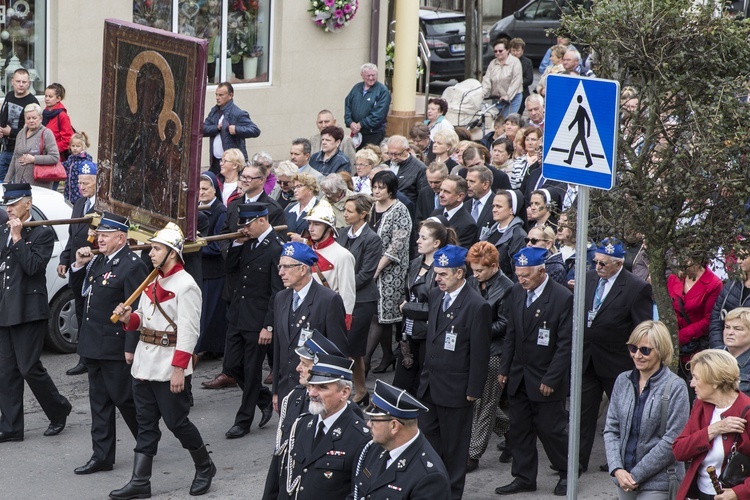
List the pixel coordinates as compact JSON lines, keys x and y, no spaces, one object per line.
{"x":156,"y":337}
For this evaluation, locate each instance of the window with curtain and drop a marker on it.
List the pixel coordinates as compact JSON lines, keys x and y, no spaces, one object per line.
{"x":23,"y":36}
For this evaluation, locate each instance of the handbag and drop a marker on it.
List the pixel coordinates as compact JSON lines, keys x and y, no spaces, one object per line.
{"x":48,"y":173}
{"x":737,"y":468}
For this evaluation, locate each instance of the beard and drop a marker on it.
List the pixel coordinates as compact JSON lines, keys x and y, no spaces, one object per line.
{"x":316,"y":408}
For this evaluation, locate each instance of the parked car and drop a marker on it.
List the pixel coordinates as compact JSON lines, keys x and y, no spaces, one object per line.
{"x":445,"y":33}
{"x":531,"y":23}
{"x":62,"y":332}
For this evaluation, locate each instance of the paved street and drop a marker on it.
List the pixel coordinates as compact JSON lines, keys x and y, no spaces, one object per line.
{"x":41,"y":468}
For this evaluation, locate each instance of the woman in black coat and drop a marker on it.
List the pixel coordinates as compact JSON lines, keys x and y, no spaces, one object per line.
{"x":507,"y":233}
{"x":420,"y":280}
{"x":483,"y":258}
{"x":365,"y":245}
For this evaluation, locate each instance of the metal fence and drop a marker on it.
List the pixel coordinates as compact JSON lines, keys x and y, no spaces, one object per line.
{"x":444,"y":4}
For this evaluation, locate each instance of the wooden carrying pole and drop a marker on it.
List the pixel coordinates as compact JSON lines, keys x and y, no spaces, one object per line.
{"x":137,"y":293}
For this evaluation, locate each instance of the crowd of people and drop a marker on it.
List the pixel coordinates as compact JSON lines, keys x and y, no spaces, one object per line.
{"x":454,"y":257}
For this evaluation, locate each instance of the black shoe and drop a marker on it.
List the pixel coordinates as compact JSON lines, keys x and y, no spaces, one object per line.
{"x":265,"y":415}
{"x":78,"y":369}
{"x":604,"y":467}
{"x":205,"y":470}
{"x":140,"y":483}
{"x":237,"y":431}
{"x":561,"y":488}
{"x":6,"y":437}
{"x":505,"y":457}
{"x":383,"y":366}
{"x":57,"y":427}
{"x":472,"y":465}
{"x":516,"y":486}
{"x":92,"y":466}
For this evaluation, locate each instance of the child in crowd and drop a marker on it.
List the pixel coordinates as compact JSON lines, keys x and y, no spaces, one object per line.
{"x":55,"y":117}
{"x":78,"y":145}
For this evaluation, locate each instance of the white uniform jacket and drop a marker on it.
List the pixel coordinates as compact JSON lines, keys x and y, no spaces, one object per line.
{"x":336,"y":264}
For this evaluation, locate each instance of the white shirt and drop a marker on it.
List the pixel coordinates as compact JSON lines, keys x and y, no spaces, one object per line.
{"x":539,"y":290}
{"x":566,"y":252}
{"x":452,"y":211}
{"x":303,"y":293}
{"x":297,"y":208}
{"x":228,"y":189}
{"x":329,"y":420}
{"x":715,"y":457}
{"x":218,"y":145}
{"x":357,"y":233}
{"x":396,"y":452}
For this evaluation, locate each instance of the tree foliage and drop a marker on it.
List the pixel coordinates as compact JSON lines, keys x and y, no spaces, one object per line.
{"x":682,"y":168}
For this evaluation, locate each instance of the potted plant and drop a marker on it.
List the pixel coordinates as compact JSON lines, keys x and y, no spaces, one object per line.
{"x":248,"y":47}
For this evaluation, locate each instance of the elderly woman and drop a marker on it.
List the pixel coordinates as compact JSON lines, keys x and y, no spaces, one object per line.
{"x":647,"y":410}
{"x":718,"y":422}
{"x":232,"y":162}
{"x":306,"y":191}
{"x":531,"y":147}
{"x":436,"y":110}
{"x":264,"y":160}
{"x":495,"y":287}
{"x":336,"y":192}
{"x":364,"y":160}
{"x":444,"y":145}
{"x":737,"y":342}
{"x":35,"y":145}
{"x":507,"y":233}
{"x":284,"y":171}
{"x":734,"y":294}
{"x":544,"y":237}
{"x":391,"y":220}
{"x":502,"y":155}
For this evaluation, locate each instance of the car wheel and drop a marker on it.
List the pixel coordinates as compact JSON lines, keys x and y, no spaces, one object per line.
{"x":62,"y":331}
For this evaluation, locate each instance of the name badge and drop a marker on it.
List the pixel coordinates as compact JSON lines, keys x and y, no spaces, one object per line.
{"x":450,"y":340}
{"x":590,"y":318}
{"x":304,"y":334}
{"x":484,"y":233}
{"x":542,"y":337}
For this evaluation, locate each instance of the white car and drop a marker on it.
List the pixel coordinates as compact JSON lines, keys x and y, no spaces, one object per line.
{"x":62,"y":334}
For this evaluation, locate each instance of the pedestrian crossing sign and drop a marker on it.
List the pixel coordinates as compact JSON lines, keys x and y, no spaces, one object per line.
{"x":581,"y":124}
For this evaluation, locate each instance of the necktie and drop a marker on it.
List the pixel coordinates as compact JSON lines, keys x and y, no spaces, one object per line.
{"x":384,"y":457}
{"x":253,"y":243}
{"x":319,"y":435}
{"x":475,"y":210}
{"x":529,"y":298}
{"x":87,"y":207}
{"x":446,"y":302}
{"x":295,"y":302}
{"x":437,"y":202}
{"x":599,"y":295}
{"x":445,"y":214}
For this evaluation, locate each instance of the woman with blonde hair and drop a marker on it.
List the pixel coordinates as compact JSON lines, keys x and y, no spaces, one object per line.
{"x":647,"y":410}
{"x":306,"y":191}
{"x":444,"y":145}
{"x":231,"y":164}
{"x":544,"y":237}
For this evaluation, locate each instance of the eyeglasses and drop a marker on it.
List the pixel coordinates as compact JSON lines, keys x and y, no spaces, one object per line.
{"x":283,"y":183}
{"x":287,"y":267}
{"x":498,"y":51}
{"x":385,"y":419}
{"x":247,"y":178}
{"x":644,"y":350}
{"x":362,"y":165}
{"x":533,"y":241}
{"x":399,"y":154}
{"x":299,"y":186}
{"x":600,"y":263}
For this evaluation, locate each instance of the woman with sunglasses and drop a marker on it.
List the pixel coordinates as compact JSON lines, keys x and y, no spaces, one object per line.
{"x":544,"y":237}
{"x":284,"y":192}
{"x":637,"y":435}
{"x":717,"y":423}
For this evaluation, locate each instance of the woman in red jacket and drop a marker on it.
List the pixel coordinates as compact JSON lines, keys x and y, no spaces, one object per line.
{"x":719,"y":412}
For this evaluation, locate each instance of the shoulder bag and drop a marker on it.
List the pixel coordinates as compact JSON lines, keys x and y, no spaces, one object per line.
{"x":737,"y":468}
{"x":48,"y":173}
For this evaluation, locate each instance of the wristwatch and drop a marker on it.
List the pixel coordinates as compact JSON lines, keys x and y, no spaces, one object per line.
{"x":269,"y":328}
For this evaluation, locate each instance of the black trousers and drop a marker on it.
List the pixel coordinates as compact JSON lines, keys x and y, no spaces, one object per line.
{"x":529,"y":419}
{"x":408,"y":378}
{"x":154,"y":400}
{"x":243,"y":361}
{"x":20,"y":349}
{"x":375,"y":139}
{"x":449,"y":431}
{"x":110,"y":386}
{"x":592,"y":388}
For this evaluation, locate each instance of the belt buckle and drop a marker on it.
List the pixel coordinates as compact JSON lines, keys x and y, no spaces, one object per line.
{"x":165,"y":340}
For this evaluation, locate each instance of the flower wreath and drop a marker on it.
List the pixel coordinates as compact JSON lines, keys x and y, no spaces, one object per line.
{"x":332,"y":15}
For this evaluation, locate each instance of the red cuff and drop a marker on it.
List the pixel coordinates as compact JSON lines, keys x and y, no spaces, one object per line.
{"x":181,"y":359}
{"x":348,"y":321}
{"x":133,"y":324}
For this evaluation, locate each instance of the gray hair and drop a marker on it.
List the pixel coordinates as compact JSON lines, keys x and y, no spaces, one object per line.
{"x":333,"y":183}
{"x":33,"y":107}
{"x":261,"y":158}
{"x":306,"y":146}
{"x":344,"y":383}
{"x":286,"y":168}
{"x":367,"y":66}
{"x":535,"y":98}
{"x":399,"y":140}
{"x":575,"y":52}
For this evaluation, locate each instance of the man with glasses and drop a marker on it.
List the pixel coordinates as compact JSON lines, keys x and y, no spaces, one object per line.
{"x":616,"y":301}
{"x":400,"y":458}
{"x":503,"y":80}
{"x":302,"y":307}
{"x":409,"y":170}
{"x":299,"y":154}
{"x":535,"y":366}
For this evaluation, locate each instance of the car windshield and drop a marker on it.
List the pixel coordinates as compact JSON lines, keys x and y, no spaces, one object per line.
{"x":449,"y":26}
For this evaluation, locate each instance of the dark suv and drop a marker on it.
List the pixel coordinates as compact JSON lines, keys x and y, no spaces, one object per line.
{"x":445,"y":32}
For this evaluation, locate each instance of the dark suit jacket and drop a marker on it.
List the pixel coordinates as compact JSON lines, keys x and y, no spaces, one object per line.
{"x":233,"y":115}
{"x":485,"y":216}
{"x":464,"y":225}
{"x":77,"y":234}
{"x":23,"y":284}
{"x":112,"y":282}
{"x":367,"y":250}
{"x":425,"y":203}
{"x":322,"y":310}
{"x":256,"y":273}
{"x":326,"y":469}
{"x":524,"y":360}
{"x":628,"y":303}
{"x":411,"y":178}
{"x":454,"y":375}
{"x":296,"y":224}
{"x":556,"y":188}
{"x":212,"y":260}
{"x":418,"y":473}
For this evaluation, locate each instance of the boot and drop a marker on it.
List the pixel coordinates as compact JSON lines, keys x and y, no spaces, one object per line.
{"x":140,"y":484}
{"x":205,"y":470}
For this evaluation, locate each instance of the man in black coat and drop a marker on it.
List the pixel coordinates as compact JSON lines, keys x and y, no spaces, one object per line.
{"x":254,"y":260}
{"x":616,"y":302}
{"x":453,"y":192}
{"x":78,"y":236}
{"x":325,"y":443}
{"x":535,"y":366}
{"x":107,"y":280}
{"x":428,"y":199}
{"x":409,"y":170}
{"x":24,"y":313}
{"x":302,"y":307}
{"x":399,"y":458}
{"x":456,"y":357}
{"x":480,"y":198}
